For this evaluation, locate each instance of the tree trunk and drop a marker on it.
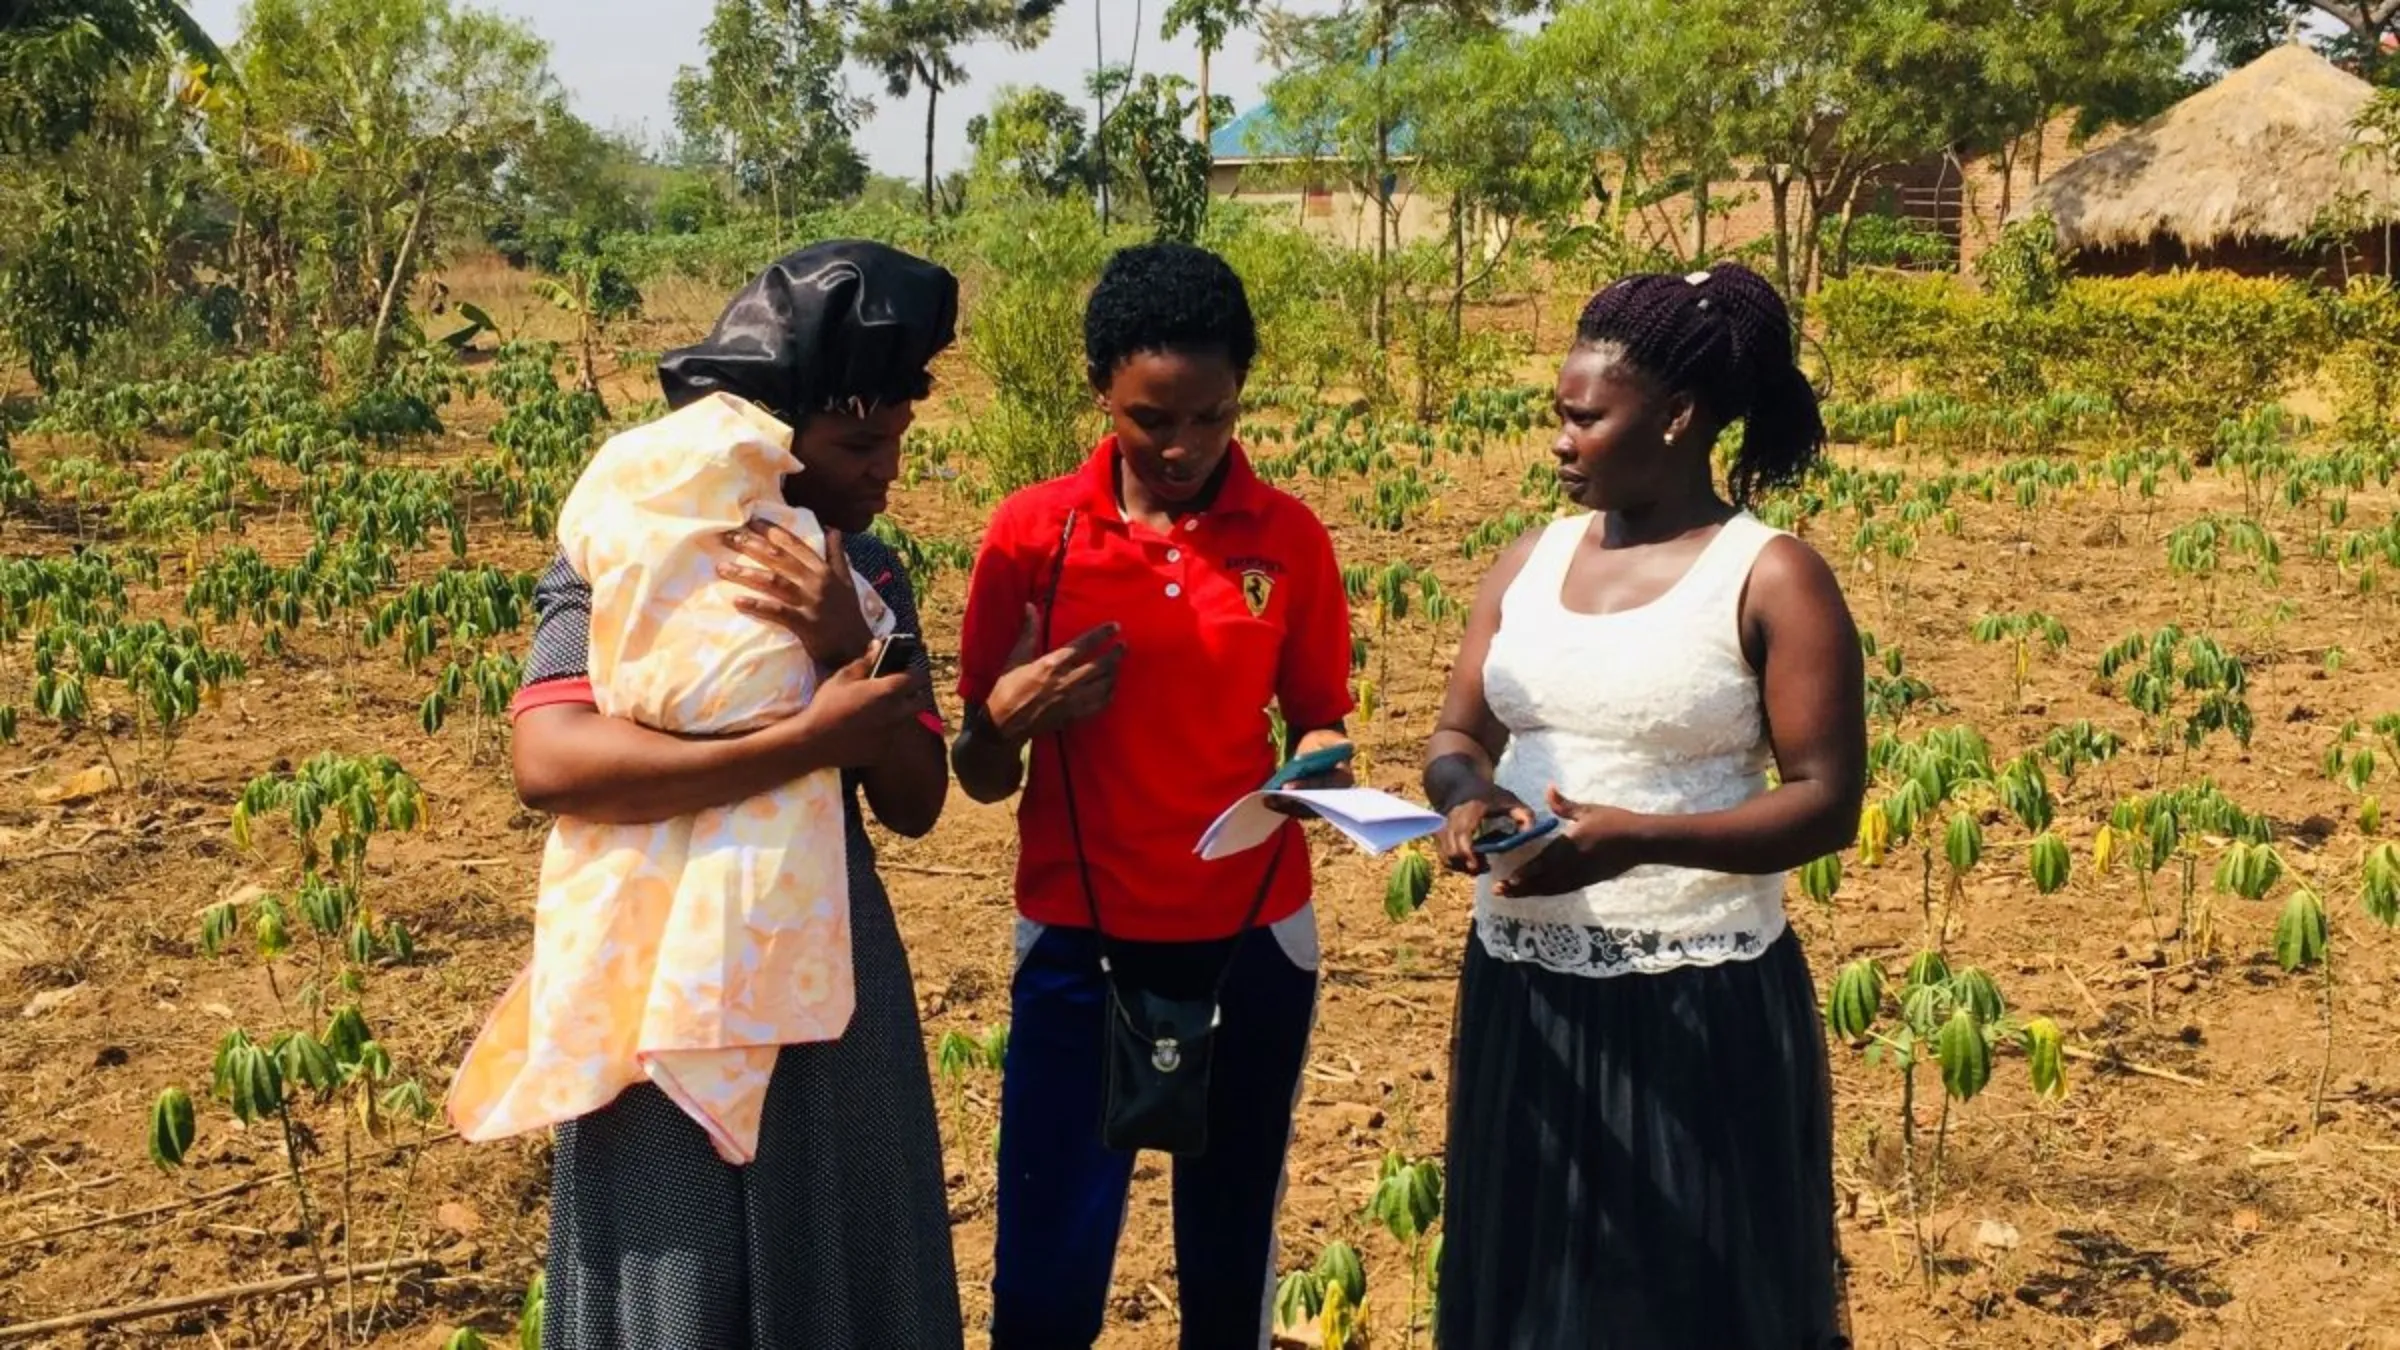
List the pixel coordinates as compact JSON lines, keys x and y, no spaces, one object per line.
{"x":933,"y":101}
{"x":1458,"y":268}
{"x":391,"y":286}
{"x":1204,"y":125}
{"x":2008,"y":181}
{"x":1700,"y":220}
{"x":1383,"y":175}
{"x":1841,"y":236}
{"x":1100,"y":112}
{"x":1779,"y":193}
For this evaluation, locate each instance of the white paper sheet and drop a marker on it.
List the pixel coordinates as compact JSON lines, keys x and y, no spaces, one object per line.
{"x":1375,"y":821}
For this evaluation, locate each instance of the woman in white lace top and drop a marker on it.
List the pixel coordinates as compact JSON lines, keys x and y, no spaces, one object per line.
{"x":1640,"y":1144}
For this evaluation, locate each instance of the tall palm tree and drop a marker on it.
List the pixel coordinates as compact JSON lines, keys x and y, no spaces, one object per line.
{"x":1211,"y":21}
{"x":913,"y":45}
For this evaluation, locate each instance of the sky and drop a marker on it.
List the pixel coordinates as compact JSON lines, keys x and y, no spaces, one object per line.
{"x":617,"y":59}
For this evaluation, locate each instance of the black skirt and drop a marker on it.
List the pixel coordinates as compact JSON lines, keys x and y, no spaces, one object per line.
{"x":1640,"y":1162}
{"x":838,"y":1235}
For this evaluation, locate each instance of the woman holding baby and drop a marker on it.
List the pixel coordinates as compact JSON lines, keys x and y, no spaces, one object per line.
{"x":834,"y":1229}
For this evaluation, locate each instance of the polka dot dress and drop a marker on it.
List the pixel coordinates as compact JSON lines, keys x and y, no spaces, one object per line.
{"x":839,"y":1234}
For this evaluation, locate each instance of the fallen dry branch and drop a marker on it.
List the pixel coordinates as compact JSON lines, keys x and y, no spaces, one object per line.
{"x":923,"y":870}
{"x":289,"y":1284}
{"x":222,"y":1192}
{"x":75,"y":1188}
{"x":2116,"y":1061}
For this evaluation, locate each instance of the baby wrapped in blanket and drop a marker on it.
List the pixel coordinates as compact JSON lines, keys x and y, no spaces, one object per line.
{"x":689,"y":951}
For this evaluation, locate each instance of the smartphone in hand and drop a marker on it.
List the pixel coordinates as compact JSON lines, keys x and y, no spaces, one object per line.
{"x":1502,"y":834}
{"x":898,"y":653}
{"x":1312,"y":764}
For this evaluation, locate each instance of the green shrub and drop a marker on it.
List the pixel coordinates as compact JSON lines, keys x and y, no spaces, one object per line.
{"x":2176,"y":354}
{"x":1024,"y":333}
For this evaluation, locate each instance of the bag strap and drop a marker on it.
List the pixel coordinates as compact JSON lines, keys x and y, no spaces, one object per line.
{"x":1066,"y":780}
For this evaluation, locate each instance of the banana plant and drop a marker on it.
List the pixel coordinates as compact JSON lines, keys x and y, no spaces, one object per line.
{"x":595,"y":290}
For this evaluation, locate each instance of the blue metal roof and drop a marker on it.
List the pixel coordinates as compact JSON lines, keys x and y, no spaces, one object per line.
{"x":1254,"y":135}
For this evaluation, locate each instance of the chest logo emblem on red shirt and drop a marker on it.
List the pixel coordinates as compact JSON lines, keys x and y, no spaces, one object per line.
{"x":1257,"y":586}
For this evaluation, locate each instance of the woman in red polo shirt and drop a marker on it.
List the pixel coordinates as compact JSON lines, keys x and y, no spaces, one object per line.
{"x":1131,"y":623}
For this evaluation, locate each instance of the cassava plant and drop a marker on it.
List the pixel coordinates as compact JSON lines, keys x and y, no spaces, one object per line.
{"x":1332,"y":1293}
{"x":344,"y":1069}
{"x":2022,"y":632}
{"x":1952,"y":1020}
{"x":1408,"y":1203}
{"x":2187,"y":685}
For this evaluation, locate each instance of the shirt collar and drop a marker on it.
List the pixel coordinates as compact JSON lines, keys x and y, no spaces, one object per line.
{"x":1243,"y":492}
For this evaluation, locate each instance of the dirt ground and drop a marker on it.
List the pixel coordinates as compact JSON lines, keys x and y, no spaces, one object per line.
{"x":2177,"y":1195}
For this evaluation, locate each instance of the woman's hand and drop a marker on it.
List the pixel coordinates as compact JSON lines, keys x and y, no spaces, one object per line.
{"x":1593,"y":844}
{"x":810,"y":594}
{"x":1037,"y":695}
{"x":1455,"y":841}
{"x":855,"y":722}
{"x":1339,"y":776}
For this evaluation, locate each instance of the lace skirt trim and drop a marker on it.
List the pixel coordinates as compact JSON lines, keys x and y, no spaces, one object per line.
{"x":1599,"y":952}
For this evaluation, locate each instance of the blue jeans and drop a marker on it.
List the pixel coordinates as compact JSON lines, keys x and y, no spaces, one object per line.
{"x":1062,"y":1192}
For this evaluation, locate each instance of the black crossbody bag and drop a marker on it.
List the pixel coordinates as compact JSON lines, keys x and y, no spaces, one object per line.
{"x":1158,"y":1050}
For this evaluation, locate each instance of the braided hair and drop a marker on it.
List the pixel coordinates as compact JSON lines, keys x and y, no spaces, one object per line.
{"x":1724,"y":337}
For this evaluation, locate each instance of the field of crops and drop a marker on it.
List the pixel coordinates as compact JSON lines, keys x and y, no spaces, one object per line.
{"x":2136,"y":693}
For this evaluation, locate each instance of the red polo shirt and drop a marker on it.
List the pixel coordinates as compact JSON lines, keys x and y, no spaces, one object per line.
{"x":1239,"y":606}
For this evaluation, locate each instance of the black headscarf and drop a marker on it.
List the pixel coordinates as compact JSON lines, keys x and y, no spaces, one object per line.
{"x":843,"y":326}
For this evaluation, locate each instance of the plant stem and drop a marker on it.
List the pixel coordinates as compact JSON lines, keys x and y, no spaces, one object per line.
{"x":291,"y":1158}
{"x":2316,"y":1114}
{"x":349,"y":1261}
{"x":391,"y":1246}
{"x":1908,"y":1165}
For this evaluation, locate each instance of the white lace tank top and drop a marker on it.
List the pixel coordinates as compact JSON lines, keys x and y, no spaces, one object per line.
{"x":1653,"y":709}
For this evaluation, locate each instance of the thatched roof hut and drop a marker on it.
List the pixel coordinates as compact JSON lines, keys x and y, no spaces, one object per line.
{"x":2244,"y":169}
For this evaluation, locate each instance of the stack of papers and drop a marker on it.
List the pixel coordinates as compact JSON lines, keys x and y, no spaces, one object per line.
{"x":1375,"y":821}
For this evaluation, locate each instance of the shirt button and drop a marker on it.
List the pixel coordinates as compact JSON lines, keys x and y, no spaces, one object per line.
{"x":1191,"y":522}
{"x":1173,"y":590}
{"x":1174,"y":555}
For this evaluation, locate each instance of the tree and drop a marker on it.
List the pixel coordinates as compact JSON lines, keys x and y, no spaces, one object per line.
{"x":1829,"y":92}
{"x":2106,"y":60}
{"x":58,"y":58}
{"x":1031,"y":141}
{"x":99,"y":227}
{"x":394,"y":115}
{"x":913,"y":44}
{"x":568,"y":187}
{"x":2241,"y":31}
{"x":1145,"y":142}
{"x":1618,"y":70}
{"x":1210,"y":21}
{"x":1496,"y":136}
{"x":769,"y":106}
